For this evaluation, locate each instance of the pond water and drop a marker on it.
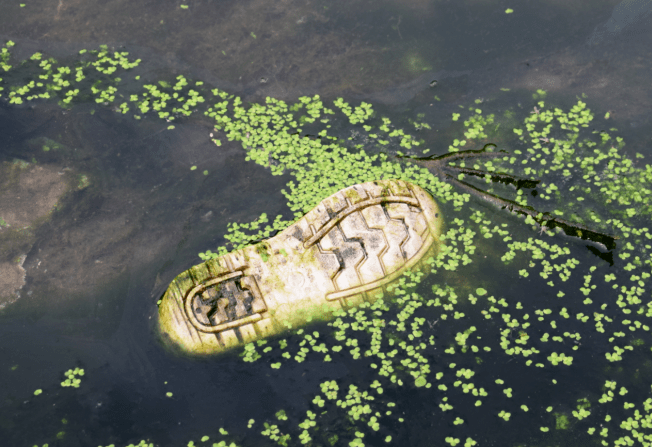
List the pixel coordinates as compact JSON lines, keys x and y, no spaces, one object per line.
{"x":516,"y":334}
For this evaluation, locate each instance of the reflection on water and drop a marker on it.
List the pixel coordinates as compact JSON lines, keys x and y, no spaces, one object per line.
{"x":115,"y":213}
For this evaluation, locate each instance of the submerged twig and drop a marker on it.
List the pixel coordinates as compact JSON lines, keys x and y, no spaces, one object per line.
{"x":439,"y":165}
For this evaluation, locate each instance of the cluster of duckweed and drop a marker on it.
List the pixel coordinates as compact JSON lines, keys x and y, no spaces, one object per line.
{"x":397,"y":354}
{"x":5,"y":55}
{"x":204,"y":441}
{"x":475,"y":127}
{"x":73,"y":378}
{"x":168,"y":101}
{"x":272,"y":136}
{"x":586,"y":177}
{"x":142,"y":443}
{"x":543,"y":337}
{"x":92,"y":77}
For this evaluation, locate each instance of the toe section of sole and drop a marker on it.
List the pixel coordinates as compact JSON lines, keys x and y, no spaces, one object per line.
{"x":338,"y":255}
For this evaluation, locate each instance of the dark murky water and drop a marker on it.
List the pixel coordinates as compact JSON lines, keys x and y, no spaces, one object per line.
{"x":96,"y":267}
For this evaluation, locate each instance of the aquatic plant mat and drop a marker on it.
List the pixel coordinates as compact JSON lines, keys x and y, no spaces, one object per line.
{"x":518,"y":334}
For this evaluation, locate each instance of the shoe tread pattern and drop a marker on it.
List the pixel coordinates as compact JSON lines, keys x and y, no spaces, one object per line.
{"x":365,"y":232}
{"x":221,"y":304}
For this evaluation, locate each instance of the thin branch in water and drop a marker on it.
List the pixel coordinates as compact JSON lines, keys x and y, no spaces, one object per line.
{"x":439,"y":165}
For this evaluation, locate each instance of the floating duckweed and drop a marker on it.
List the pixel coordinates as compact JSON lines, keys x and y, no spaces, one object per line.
{"x":72,"y":378}
{"x":504,"y":415}
{"x":395,"y":339}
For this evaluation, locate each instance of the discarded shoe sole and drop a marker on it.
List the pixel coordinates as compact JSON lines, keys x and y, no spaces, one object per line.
{"x":338,"y":255}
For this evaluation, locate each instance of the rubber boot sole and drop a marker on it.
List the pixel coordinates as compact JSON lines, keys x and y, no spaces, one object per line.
{"x":339,"y":255}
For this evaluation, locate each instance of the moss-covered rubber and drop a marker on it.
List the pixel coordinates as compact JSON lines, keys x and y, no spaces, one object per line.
{"x":337,"y":256}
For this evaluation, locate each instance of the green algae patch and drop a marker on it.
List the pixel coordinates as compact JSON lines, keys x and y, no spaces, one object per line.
{"x":562,"y":421}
